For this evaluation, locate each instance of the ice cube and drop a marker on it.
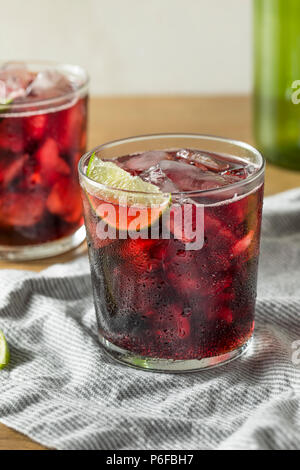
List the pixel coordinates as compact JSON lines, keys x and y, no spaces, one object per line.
{"x":21,"y":208}
{"x":15,"y":80}
{"x":50,"y":84}
{"x":145,"y":160}
{"x":191,"y":178}
{"x":64,"y":200}
{"x":203,"y":160}
{"x":156,"y":176}
{"x":51,"y":164}
{"x":239,"y":171}
{"x":11,"y":168}
{"x":184,"y":176}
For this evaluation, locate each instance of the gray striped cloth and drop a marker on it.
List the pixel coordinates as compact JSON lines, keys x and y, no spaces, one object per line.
{"x":62,"y":391}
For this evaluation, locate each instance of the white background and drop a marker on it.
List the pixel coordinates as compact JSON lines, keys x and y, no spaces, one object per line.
{"x":137,"y":46}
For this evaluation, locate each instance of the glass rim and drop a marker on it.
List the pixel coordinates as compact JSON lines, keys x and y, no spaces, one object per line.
{"x":146,"y":137}
{"x":21,"y":106}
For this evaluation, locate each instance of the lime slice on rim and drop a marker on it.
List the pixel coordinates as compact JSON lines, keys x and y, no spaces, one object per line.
{"x":4,"y":105}
{"x":113,"y":177}
{"x":120,"y":188}
{"x":4,"y":351}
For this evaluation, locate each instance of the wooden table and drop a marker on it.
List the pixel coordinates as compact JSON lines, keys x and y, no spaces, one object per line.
{"x":112,"y":118}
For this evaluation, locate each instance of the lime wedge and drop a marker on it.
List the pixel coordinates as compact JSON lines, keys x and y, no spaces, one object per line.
{"x":4,"y":351}
{"x":146,"y":198}
{"x":4,"y":105}
{"x":135,"y":191}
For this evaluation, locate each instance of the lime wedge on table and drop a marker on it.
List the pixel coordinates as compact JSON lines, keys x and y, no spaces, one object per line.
{"x":134,"y":191}
{"x":4,"y":351}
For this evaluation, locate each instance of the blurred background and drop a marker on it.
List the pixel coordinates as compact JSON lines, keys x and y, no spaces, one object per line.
{"x":235,"y":60}
{"x":137,"y":46}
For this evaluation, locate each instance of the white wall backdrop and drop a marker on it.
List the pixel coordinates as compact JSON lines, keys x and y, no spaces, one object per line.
{"x":137,"y":46}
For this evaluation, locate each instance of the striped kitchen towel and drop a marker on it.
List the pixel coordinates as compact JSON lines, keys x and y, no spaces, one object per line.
{"x":61,"y":390}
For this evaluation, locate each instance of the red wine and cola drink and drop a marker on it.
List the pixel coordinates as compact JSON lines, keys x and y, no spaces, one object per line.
{"x":43,"y":117}
{"x":181,"y":299}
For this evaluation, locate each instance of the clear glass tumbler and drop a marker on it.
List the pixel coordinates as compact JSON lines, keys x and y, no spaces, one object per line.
{"x":160,"y":303}
{"x":41,"y":140}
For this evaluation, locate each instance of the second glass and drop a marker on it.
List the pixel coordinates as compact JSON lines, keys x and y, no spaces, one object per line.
{"x":42,"y":136}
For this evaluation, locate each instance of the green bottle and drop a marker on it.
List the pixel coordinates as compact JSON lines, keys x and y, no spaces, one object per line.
{"x":277,"y":80}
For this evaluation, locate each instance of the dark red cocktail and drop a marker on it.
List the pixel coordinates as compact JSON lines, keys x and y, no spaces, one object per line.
{"x":169,"y":303}
{"x":43,"y":119}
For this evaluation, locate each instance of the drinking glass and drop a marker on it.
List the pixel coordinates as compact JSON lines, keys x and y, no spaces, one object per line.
{"x":41,"y":141}
{"x":162,"y":304}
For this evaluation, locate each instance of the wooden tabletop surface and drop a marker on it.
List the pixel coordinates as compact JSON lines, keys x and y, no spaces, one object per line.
{"x":113,"y":118}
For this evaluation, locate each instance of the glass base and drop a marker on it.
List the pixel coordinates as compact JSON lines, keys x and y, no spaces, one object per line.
{"x":44,"y":250}
{"x":167,"y":365}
